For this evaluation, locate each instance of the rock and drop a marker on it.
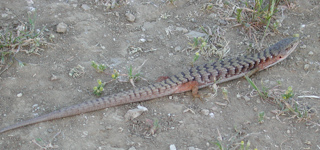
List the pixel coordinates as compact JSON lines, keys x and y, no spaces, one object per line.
{"x":184,"y":30}
{"x":177,"y":49}
{"x":62,"y":27}
{"x":211,"y":115}
{"x":19,"y":95}
{"x":130,"y":17}
{"x":310,"y":53}
{"x":303,"y":46}
{"x":142,"y":40}
{"x":205,"y":112}
{"x":306,"y":67}
{"x":212,"y":16}
{"x":54,"y":77}
{"x":246,"y":98}
{"x":193,"y":148}
{"x":4,"y":15}
{"x":132,"y":148}
{"x":85,"y":7}
{"x":134,"y":113}
{"x":50,"y":130}
{"x":173,"y":147}
{"x":222,"y":22}
{"x":195,"y":34}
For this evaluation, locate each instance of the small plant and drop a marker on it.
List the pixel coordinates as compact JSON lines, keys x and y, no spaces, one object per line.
{"x":195,"y":58}
{"x":99,"y":67}
{"x":200,"y":44}
{"x":208,"y":7}
{"x":115,"y":74}
{"x":97,"y":90}
{"x":218,"y":143}
{"x":263,"y":94}
{"x":154,"y":125}
{"x":256,"y":17}
{"x":132,"y":76}
{"x":245,"y":147}
{"x":225,"y":93}
{"x":261,"y":117}
{"x":288,"y":94}
{"x":171,"y":2}
{"x":25,"y":38}
{"x":211,"y":44}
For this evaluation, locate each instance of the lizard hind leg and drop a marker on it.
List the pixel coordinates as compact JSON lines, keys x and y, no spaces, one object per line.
{"x":193,"y":86}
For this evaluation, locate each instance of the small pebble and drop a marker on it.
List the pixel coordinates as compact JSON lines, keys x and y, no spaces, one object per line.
{"x":222,"y":22}
{"x":4,"y":15}
{"x":214,"y":108}
{"x":173,"y":147}
{"x":85,"y":7}
{"x":177,"y":49}
{"x":84,"y":133}
{"x":211,"y":115}
{"x":212,"y":16}
{"x":50,"y":130}
{"x":205,"y":112}
{"x":19,"y":95}
{"x":195,"y":34}
{"x":130,"y":17}
{"x":306,"y":67}
{"x":142,"y":40}
{"x":53,"y":77}
{"x":170,"y":97}
{"x":134,"y":113}
{"x":246,"y":98}
{"x":303,"y":46}
{"x":184,"y":30}
{"x":310,"y":53}
{"x":132,"y":148}
{"x":191,"y":148}
{"x":258,"y":101}
{"x":35,"y":105}
{"x":62,"y":27}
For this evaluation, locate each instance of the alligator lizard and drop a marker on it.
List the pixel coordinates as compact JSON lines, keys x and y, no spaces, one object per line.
{"x":193,"y":79}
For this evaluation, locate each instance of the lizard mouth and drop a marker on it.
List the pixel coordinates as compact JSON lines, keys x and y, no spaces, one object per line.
{"x":289,"y":50}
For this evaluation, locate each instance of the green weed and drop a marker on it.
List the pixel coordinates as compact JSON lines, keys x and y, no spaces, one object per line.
{"x":133,"y":77}
{"x":288,"y":94}
{"x":286,"y":103}
{"x":25,"y":38}
{"x":245,"y":147}
{"x":115,"y":74}
{"x":263,"y":94}
{"x":99,"y":67}
{"x":195,"y":58}
{"x":218,"y":143}
{"x":261,"y":117}
{"x":256,"y":17}
{"x":97,"y":90}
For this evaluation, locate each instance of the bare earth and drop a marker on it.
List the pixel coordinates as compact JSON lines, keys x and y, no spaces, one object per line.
{"x":105,"y":36}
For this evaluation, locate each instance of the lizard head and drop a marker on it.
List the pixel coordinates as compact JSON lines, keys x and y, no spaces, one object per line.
{"x":284,"y":48}
{"x":280,"y":51}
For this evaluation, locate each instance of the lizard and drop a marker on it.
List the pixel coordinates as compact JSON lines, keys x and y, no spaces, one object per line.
{"x":191,"y":80}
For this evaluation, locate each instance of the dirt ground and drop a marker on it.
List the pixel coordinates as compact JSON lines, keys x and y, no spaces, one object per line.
{"x":106,"y":36}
